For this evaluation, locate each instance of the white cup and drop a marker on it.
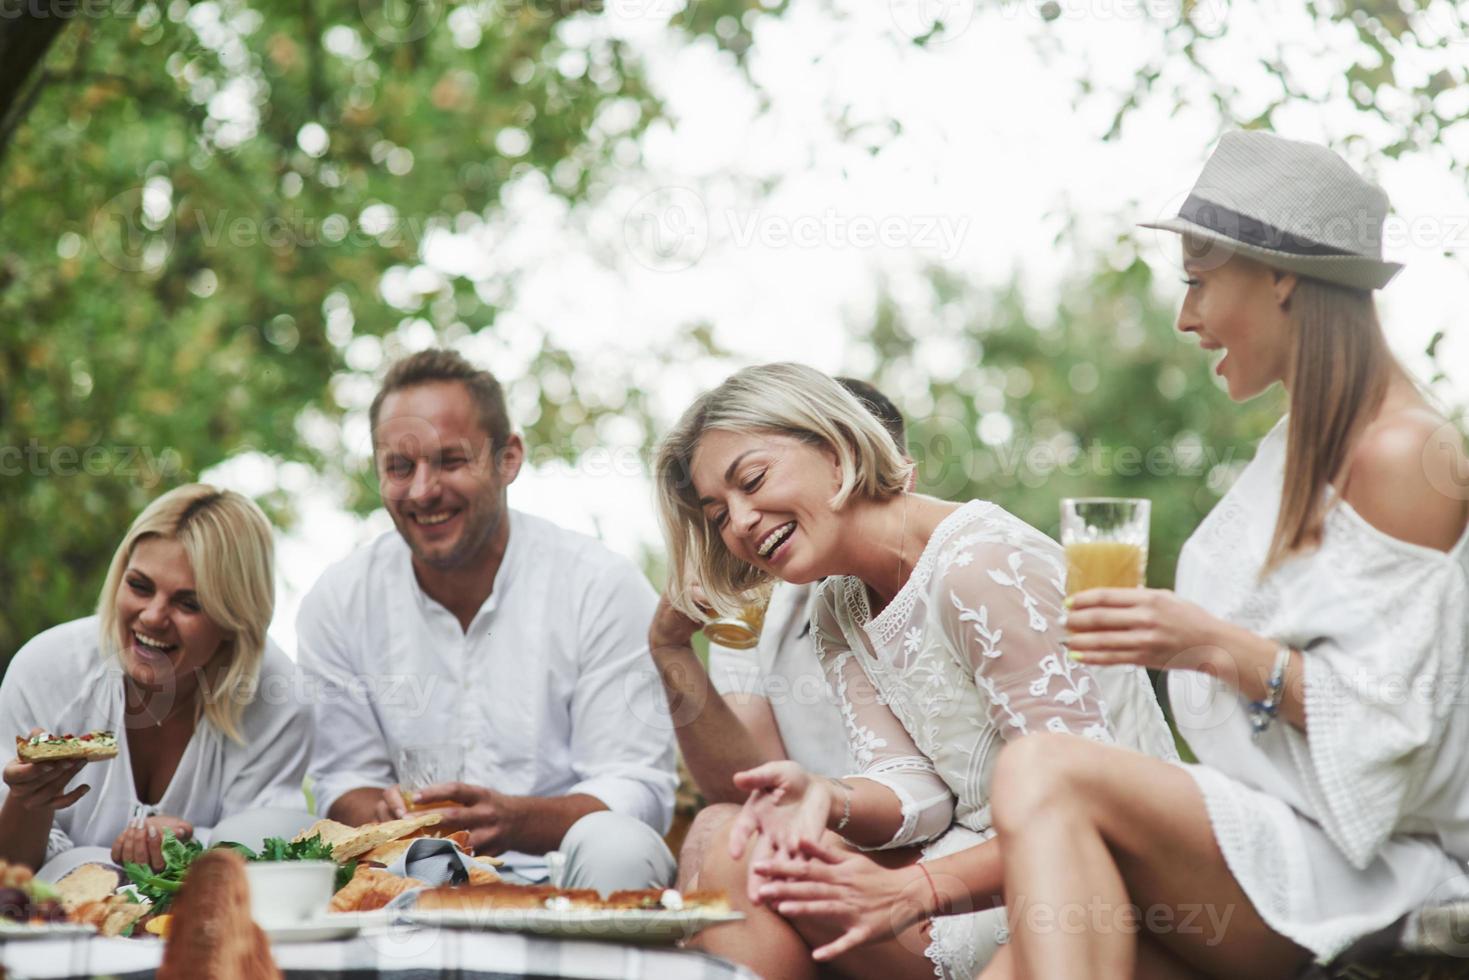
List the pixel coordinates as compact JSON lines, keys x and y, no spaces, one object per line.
{"x":288,"y":893}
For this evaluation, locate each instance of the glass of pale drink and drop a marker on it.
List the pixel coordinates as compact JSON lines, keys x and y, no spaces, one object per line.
{"x":1106,"y":542}
{"x":741,"y":632}
{"x":427,"y":764}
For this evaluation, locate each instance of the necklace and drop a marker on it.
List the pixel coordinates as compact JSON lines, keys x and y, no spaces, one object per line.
{"x":167,"y":715}
{"x":902,"y":539}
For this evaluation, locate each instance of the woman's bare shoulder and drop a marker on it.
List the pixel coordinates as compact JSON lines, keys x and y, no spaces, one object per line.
{"x":1409,"y":477}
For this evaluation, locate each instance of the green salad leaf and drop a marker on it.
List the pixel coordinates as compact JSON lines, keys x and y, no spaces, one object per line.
{"x":160,"y":887}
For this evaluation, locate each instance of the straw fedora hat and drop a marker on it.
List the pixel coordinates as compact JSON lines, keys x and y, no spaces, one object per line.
{"x":1291,"y":205}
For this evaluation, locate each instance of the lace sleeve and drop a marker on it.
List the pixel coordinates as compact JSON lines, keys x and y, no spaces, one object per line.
{"x":1000,"y":604}
{"x":879,"y":744}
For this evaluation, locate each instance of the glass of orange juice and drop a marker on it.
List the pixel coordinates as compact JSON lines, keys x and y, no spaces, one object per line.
{"x":1106,"y":542}
{"x":742,"y":631}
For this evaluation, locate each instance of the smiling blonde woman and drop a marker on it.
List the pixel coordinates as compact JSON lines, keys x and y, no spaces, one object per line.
{"x":1316,"y":642}
{"x":177,"y":663}
{"x":938,"y":626}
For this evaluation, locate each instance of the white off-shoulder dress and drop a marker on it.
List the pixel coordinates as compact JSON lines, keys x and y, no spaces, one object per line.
{"x":965,"y":658}
{"x":1337,"y":831}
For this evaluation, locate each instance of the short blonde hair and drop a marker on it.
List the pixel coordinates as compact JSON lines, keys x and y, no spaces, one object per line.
{"x":228,"y":541}
{"x":783,"y":399}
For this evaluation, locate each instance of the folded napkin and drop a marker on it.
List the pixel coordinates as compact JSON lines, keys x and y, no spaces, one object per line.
{"x":434,"y":861}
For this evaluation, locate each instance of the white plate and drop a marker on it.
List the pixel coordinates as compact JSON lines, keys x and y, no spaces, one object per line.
{"x":11,"y":931}
{"x":624,"y":925}
{"x":334,"y":925}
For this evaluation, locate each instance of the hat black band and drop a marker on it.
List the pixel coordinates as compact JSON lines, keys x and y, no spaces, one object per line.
{"x":1251,"y":231}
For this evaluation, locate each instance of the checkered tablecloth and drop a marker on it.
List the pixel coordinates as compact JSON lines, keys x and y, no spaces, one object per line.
{"x":396,"y":953}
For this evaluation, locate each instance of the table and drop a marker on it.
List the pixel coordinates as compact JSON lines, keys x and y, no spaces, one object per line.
{"x":397,"y":952}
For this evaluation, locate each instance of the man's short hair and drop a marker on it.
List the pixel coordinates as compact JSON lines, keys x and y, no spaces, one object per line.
{"x":882,"y":407}
{"x":437,"y":365}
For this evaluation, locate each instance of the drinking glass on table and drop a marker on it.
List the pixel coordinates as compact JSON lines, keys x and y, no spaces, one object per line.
{"x":741,"y":631}
{"x":423,"y":765}
{"x":1106,"y":542}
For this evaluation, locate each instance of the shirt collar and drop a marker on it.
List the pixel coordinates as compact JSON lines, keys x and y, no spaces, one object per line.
{"x":504,"y":576}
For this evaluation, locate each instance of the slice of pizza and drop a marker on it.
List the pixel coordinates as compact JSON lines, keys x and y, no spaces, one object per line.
{"x":46,"y":747}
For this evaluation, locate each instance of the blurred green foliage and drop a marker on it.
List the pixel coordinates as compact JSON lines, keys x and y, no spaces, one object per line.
{"x":1098,"y":397}
{"x":199,"y":211}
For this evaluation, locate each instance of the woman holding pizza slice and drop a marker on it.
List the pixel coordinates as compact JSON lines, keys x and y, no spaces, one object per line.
{"x":177,"y":664}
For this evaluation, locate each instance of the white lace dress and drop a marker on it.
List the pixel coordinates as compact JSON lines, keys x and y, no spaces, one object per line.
{"x":1334,"y":835}
{"x":965,"y":658}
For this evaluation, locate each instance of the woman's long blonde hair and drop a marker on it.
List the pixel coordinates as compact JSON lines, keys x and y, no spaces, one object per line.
{"x":785,"y":399}
{"x":1338,"y":378}
{"x":229,"y":544}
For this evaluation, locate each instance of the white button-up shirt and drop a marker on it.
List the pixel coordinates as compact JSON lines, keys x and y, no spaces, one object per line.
{"x":551,"y":685}
{"x":784,"y":670}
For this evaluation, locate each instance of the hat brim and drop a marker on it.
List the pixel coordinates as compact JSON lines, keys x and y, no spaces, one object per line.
{"x":1354,"y":271}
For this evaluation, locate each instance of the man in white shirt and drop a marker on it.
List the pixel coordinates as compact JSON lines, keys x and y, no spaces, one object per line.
{"x":754,"y":706}
{"x":492,"y":634}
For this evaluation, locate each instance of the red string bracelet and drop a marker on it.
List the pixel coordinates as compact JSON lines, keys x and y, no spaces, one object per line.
{"x":936,"y":907}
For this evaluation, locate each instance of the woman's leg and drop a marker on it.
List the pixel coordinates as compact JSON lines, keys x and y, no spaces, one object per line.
{"x":1095,"y":837}
{"x":777,"y":948}
{"x":708,"y":822}
{"x":1154,"y":962}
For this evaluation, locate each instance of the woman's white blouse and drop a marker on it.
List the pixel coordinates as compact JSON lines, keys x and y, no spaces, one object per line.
{"x":60,"y":682}
{"x":965,"y":658}
{"x":1337,"y":830}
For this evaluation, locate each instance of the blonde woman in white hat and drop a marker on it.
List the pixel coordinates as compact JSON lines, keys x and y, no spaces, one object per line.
{"x":937,"y":627}
{"x":1315,"y":644}
{"x":210,"y":725}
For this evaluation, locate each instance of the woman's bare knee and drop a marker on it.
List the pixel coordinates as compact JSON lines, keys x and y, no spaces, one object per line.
{"x":1034,"y":774}
{"x":706,"y":827}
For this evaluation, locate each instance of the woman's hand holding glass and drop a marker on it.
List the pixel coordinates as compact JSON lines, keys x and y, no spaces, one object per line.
{"x":1151,"y":628}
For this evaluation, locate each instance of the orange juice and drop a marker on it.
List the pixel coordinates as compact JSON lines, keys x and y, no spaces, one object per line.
{"x":740,"y":632}
{"x":1103,"y":564}
{"x":408,"y":803}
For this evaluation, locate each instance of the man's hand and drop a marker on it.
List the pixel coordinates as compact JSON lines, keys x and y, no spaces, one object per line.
{"x":494,"y":820}
{"x":392,"y":806}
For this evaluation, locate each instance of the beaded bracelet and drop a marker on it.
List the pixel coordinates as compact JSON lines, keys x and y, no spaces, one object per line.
{"x":1262,"y":713}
